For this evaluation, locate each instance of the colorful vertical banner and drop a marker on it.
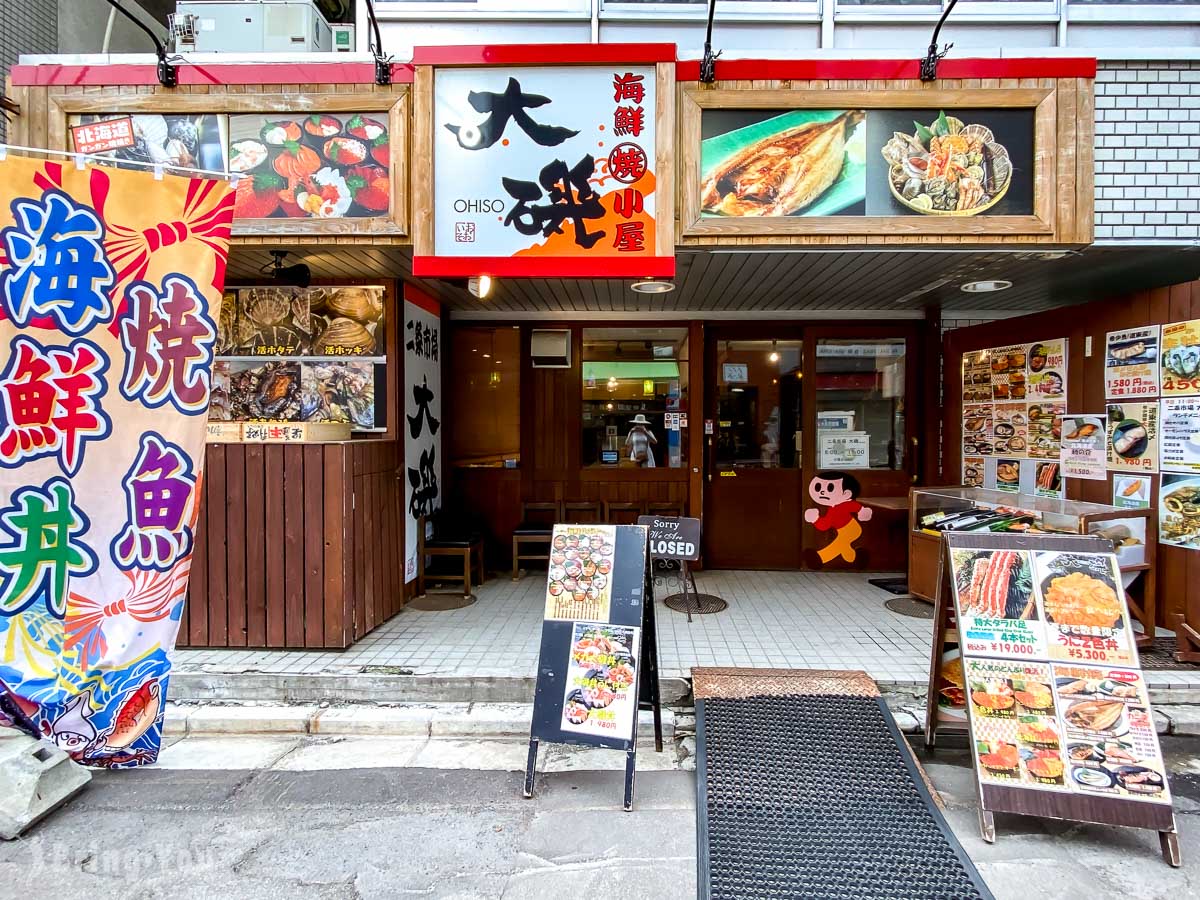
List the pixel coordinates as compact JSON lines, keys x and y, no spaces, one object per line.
{"x":110,"y":291}
{"x":423,"y":416}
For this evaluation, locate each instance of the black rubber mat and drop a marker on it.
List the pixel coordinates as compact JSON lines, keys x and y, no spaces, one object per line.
{"x":1161,"y":655}
{"x":696,"y":604}
{"x":911,"y":607}
{"x":812,"y":796}
{"x":897,"y":586}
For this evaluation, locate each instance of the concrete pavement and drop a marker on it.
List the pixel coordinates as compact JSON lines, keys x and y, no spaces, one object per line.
{"x":371,"y":816}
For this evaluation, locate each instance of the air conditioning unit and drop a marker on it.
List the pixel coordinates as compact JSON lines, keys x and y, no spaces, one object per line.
{"x":550,"y":349}
{"x":250,"y":26}
{"x":343,"y":38}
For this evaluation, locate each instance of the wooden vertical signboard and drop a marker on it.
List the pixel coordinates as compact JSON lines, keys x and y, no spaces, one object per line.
{"x":598,"y":663}
{"x":1048,"y":683}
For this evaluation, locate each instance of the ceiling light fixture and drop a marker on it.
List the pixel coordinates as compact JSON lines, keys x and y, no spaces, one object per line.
{"x":299,"y":275}
{"x":480,"y":287}
{"x":986,"y":287}
{"x":773,"y":356}
{"x":652,"y":286}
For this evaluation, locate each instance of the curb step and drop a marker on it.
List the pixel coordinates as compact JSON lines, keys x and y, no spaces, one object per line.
{"x":437,"y":720}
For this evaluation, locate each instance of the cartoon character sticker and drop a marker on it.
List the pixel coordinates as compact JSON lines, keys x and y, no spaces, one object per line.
{"x":837,"y":492}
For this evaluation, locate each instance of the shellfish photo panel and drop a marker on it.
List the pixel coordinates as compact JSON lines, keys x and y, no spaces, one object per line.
{"x":953,"y":162}
{"x":875,"y":162}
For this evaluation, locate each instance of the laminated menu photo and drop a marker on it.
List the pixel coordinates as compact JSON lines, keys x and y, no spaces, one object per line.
{"x":1015,"y":729}
{"x":1084,"y":608}
{"x":1111,"y":743}
{"x":997,"y":607}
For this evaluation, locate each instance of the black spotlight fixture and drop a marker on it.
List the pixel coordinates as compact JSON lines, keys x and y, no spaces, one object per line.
{"x":299,"y":275}
{"x":168,"y":71}
{"x":929,"y":65}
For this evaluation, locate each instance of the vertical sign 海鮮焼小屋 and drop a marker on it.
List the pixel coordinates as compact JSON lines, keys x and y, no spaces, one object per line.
{"x":422,"y":423}
{"x":110,"y":291}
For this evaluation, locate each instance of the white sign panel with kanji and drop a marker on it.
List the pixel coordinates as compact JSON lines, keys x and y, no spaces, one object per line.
{"x":537,"y":166}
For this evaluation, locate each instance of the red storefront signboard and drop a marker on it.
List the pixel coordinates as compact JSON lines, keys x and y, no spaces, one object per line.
{"x":547,"y":170}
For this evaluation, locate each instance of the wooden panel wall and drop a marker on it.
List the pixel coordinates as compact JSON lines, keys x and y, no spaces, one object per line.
{"x":1178,"y":570}
{"x":550,"y":467}
{"x":1066,"y":146}
{"x":297,"y":546}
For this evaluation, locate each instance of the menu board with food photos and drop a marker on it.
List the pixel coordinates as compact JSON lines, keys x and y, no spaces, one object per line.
{"x":290,"y":354}
{"x":1131,"y":363}
{"x":1133,"y":436}
{"x":599,"y":658}
{"x":1057,"y":709}
{"x":1014,"y":398}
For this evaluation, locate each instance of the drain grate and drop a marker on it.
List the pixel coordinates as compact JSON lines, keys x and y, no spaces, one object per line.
{"x":907,"y":606}
{"x":812,"y":796}
{"x":698,"y":604}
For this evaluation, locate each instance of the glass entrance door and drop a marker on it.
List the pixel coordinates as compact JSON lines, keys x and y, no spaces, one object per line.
{"x":754,"y":454}
{"x":861,"y":449}
{"x":803,"y":429}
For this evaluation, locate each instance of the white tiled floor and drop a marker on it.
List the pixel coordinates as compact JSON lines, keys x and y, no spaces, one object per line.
{"x":781,"y":619}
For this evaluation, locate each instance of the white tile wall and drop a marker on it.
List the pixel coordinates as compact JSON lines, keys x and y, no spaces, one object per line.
{"x":1148,"y":151}
{"x":26,"y":26}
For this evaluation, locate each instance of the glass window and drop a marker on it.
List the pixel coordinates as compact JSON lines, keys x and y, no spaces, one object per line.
{"x":635,"y":387}
{"x":758,"y":404}
{"x":860,"y":404}
{"x":485,"y":396}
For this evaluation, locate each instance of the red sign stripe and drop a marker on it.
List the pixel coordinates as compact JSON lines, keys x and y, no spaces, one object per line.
{"x":535,"y":267}
{"x":888,"y":69}
{"x":422,"y":300}
{"x":124,"y":74}
{"x":543,"y":54}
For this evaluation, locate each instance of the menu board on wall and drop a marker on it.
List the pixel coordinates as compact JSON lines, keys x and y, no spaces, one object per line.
{"x":1181,"y":359}
{"x":1131,"y":491}
{"x":1056,"y":702}
{"x":1181,"y":434}
{"x":1013,"y":403}
{"x":541,"y":169}
{"x":1131,"y":363}
{"x":1083,"y":446}
{"x":1179,"y":511}
{"x":310,"y":355}
{"x":1133,"y":436}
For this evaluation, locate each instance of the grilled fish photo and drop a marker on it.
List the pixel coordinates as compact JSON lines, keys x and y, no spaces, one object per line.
{"x":781,"y":174}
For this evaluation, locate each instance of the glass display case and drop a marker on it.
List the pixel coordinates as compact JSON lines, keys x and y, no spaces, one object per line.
{"x":936,"y":510}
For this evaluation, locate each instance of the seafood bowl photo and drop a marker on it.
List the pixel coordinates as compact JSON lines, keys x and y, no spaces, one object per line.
{"x":806,"y":162}
{"x":947,"y":168}
{"x":319,"y":166}
{"x":1081,"y":597}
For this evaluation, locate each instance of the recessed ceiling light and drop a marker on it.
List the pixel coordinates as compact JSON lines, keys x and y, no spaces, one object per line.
{"x":986,"y":287}
{"x":652,"y":286}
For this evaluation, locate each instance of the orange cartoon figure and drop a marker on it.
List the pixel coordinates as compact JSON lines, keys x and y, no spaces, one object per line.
{"x":837,"y":491}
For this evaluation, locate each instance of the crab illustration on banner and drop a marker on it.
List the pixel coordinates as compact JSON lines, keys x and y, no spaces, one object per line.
{"x":545,"y":171}
{"x":110,"y":290}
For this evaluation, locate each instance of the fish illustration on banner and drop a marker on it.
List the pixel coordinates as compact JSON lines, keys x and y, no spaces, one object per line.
{"x":110,"y":291}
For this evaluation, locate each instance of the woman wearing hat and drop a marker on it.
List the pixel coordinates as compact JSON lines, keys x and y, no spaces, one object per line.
{"x":638,"y":442}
